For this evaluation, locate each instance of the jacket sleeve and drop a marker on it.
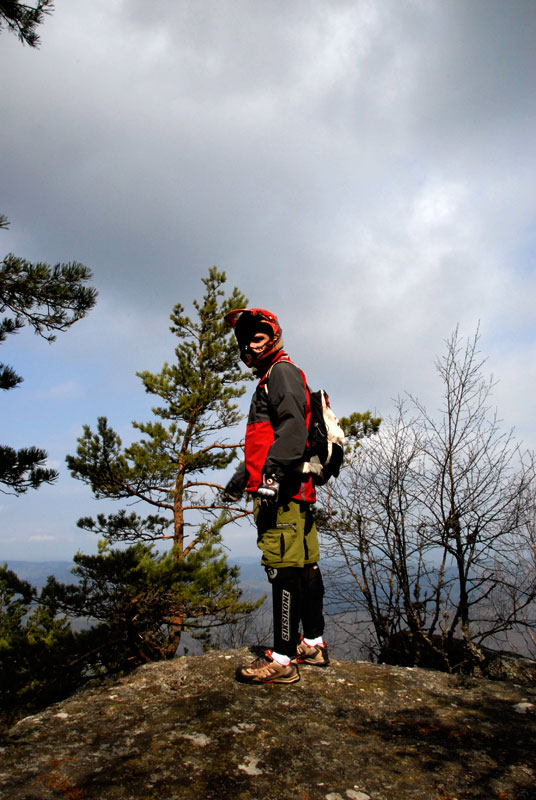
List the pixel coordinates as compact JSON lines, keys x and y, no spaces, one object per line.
{"x":239,"y":480}
{"x":287,"y":402}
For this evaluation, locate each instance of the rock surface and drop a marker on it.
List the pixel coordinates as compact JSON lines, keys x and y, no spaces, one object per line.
{"x":357,"y":731}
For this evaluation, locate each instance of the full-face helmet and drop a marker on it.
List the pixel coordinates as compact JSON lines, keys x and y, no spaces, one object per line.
{"x":246,"y":322}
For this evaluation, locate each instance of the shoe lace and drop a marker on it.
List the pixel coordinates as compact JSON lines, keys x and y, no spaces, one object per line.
{"x":265,"y":662}
{"x":261,"y":663}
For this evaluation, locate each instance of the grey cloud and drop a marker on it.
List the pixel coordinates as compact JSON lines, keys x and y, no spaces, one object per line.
{"x":365,"y":169}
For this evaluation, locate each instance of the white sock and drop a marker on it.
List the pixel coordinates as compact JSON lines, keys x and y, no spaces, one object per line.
{"x":283,"y":660}
{"x":313,"y":642}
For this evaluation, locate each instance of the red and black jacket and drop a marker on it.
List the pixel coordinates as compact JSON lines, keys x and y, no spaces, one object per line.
{"x":276,"y":434}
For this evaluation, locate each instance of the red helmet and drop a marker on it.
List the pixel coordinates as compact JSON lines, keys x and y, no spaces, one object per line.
{"x":248,"y":321}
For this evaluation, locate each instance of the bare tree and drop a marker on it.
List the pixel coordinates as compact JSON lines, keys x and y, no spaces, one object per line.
{"x":433,"y":517}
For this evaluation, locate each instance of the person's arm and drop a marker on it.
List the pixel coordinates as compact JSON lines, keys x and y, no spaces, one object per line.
{"x":287,"y":401}
{"x":236,"y":486}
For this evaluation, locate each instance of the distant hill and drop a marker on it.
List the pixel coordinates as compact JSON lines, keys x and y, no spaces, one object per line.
{"x":252,"y":575}
{"x":37,"y":572}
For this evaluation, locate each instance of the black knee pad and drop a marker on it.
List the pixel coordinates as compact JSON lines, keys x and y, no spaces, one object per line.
{"x":286,"y":605}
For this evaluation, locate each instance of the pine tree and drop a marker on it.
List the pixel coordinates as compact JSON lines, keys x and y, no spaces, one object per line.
{"x":38,"y":663}
{"x":169,"y":470}
{"x":48,"y":299}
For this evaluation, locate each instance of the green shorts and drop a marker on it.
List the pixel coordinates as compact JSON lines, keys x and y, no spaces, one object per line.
{"x":287,"y":535}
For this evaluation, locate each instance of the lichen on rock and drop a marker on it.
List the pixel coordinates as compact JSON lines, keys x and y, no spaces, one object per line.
{"x":185,"y":729}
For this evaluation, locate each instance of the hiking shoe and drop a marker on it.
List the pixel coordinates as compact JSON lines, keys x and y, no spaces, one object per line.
{"x":266,"y":670}
{"x":316,"y":654}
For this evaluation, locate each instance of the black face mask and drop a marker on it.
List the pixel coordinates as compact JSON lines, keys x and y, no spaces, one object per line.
{"x":250,"y":358}
{"x":247,"y":355}
{"x":244,"y":336}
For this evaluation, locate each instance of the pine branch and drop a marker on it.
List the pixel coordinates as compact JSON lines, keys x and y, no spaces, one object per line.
{"x":23,"y":19}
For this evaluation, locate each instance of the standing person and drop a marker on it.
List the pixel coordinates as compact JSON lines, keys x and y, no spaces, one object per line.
{"x":276,"y":438}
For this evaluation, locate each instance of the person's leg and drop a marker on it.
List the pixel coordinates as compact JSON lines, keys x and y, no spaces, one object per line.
{"x":286,"y":596}
{"x":312,"y":601}
{"x":313,"y":648}
{"x":280,"y":537}
{"x":311,"y":584}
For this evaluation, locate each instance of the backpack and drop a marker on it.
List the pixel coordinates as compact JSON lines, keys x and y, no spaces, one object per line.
{"x":324,"y":453}
{"x":325,"y":442}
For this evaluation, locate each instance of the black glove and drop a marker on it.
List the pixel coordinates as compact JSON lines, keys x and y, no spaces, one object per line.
{"x":268,"y":492}
{"x":235,"y":488}
{"x":230,"y":494}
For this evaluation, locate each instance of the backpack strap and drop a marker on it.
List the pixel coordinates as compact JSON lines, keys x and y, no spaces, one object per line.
{"x":264,"y":383}
{"x":264,"y":380}
{"x":285,"y":359}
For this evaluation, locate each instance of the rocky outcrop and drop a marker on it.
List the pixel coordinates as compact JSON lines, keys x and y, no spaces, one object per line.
{"x":185,"y":729}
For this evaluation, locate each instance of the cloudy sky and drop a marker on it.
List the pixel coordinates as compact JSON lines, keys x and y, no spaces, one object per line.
{"x":365,"y":168}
